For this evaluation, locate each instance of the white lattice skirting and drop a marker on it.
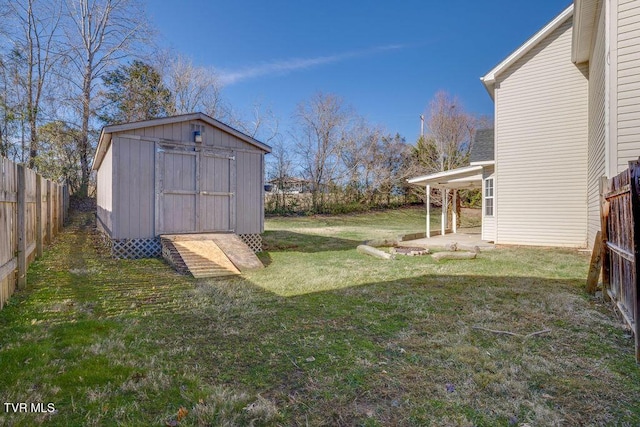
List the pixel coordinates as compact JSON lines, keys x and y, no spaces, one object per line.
{"x":136,"y":248}
{"x":254,"y":241}
{"x":152,"y":248}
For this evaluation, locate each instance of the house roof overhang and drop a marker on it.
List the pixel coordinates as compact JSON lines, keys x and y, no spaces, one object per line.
{"x":489,"y":80}
{"x":105,"y":135}
{"x":466,"y":177}
{"x":584,"y":26}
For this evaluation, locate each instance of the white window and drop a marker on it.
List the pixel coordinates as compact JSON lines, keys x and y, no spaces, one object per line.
{"x":488,"y":197}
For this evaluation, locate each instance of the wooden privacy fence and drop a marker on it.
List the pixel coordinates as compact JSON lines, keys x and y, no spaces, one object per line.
{"x":32,"y":212}
{"x":620,"y":216}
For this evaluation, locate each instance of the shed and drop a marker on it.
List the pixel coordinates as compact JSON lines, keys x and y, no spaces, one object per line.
{"x":182,"y":174}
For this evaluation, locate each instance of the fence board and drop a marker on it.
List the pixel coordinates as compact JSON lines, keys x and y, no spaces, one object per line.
{"x":8,"y":245}
{"x":620,"y":221}
{"x":35,"y":202}
{"x":39,"y":235}
{"x":22,"y":227}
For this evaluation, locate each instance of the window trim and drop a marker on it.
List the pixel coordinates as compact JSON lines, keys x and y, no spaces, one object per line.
{"x":486,"y":197}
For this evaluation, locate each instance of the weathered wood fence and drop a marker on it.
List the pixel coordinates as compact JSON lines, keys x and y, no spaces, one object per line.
{"x":621,"y":244}
{"x":32,"y":212}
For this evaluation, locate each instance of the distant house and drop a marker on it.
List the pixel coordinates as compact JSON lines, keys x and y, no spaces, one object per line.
{"x":289,"y":185}
{"x":567,"y":112}
{"x":181,"y":174}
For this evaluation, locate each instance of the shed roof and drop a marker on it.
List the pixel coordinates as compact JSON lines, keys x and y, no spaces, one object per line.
{"x":107,"y":131}
{"x":489,"y":80}
{"x":483,"y":146}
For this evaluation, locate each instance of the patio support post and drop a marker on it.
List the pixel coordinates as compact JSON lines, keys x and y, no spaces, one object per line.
{"x":454,"y":213}
{"x":428,"y":211}
{"x":443,"y":211}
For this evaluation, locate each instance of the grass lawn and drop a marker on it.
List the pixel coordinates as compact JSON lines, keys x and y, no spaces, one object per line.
{"x":322,"y":336}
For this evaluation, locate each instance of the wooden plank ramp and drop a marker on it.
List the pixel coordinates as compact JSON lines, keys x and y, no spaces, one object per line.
{"x":208,"y":254}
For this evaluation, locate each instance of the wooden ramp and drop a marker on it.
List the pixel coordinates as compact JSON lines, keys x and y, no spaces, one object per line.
{"x":208,"y":255}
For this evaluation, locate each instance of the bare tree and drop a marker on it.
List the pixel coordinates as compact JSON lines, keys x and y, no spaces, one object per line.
{"x":357,"y":150}
{"x":449,"y":141}
{"x":194,"y":88}
{"x":263,"y":124}
{"x":451,"y":132}
{"x":33,"y":54}
{"x":280,"y":168}
{"x":322,"y":124}
{"x":10,"y":104}
{"x":101,"y":33}
{"x":388,"y":168}
{"x":198,"y":89}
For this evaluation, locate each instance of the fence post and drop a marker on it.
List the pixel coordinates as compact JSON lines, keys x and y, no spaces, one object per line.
{"x":38,"y":215}
{"x":22,"y":227}
{"x":61,"y":203}
{"x":595,"y":266}
{"x":634,"y":176}
{"x":65,"y":209}
{"x":61,"y":207}
{"x":50,"y":210}
{"x":58,"y":210}
{"x":56,"y":226}
{"x":604,"y":223}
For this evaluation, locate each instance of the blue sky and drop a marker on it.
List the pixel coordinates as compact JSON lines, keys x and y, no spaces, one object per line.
{"x":386,"y":59}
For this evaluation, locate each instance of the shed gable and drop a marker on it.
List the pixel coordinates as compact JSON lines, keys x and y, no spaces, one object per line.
{"x":178,"y":129}
{"x":183,"y":132}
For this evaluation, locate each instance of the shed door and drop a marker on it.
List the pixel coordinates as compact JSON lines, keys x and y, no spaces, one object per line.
{"x":217,"y":191}
{"x":194,"y":190}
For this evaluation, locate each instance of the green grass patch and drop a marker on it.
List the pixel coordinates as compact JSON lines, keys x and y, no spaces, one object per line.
{"x":322,"y":336}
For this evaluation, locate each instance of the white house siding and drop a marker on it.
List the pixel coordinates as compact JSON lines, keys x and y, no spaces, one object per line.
{"x":596,"y":150}
{"x":104,"y":197}
{"x":541,"y":151}
{"x":489,"y":222}
{"x":628,"y":82}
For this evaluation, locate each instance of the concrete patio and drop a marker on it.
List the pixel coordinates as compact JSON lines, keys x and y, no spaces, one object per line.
{"x":466,"y":238}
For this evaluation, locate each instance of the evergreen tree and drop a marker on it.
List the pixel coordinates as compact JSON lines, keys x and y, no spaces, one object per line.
{"x":134,"y":92}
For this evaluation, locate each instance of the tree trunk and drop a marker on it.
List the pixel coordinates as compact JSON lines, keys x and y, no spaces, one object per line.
{"x":33,"y":141}
{"x":83,"y":191}
{"x":453,"y":255}
{"x":31,"y":117}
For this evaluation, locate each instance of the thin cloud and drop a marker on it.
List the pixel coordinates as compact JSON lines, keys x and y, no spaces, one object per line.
{"x":282,"y":67}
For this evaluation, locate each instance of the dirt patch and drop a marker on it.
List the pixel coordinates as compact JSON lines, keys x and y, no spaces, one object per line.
{"x":82,"y":204}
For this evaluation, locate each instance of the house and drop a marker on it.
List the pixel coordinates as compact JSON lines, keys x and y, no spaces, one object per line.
{"x":567,"y":112}
{"x":479,"y":173}
{"x":606,"y":38}
{"x":183,"y":174}
{"x":289,"y":185}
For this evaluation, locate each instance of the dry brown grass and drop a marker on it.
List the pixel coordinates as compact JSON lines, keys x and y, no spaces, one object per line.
{"x":322,"y":336}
